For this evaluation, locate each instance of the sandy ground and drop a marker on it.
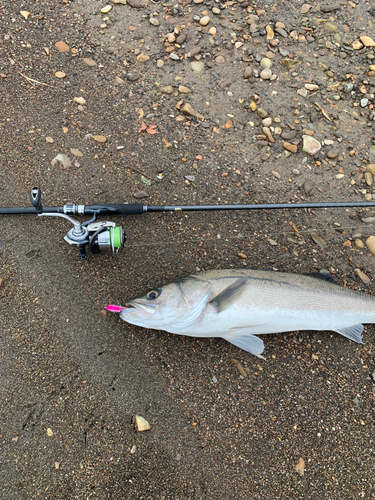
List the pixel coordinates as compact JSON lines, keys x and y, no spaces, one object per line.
{"x":72,"y":377}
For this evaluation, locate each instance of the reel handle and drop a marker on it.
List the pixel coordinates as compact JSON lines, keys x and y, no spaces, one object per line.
{"x":36,"y":200}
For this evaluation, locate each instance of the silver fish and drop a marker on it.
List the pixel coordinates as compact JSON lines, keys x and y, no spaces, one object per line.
{"x":237,"y":304}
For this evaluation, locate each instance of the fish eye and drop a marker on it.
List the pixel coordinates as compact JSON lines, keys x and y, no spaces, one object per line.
{"x":152,"y":294}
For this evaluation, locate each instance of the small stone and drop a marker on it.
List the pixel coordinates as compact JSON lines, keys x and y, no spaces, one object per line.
{"x":330,"y":27}
{"x":132,"y":77}
{"x":270,"y":33}
{"x":308,"y":187}
{"x":359,"y":243}
{"x":184,"y":90}
{"x":168,"y":89}
{"x":118,"y":80}
{"x":143,"y":58}
{"x":305,"y":8}
{"x":364,"y":102}
{"x":62,"y":47}
{"x":60,"y":74}
{"x":215,"y":11}
{"x":247,"y":73}
{"x":302,"y":92}
{"x":194,"y":52}
{"x":318,"y":240}
{"x":197,"y":2}
{"x":332,"y":153}
{"x":141,"y":194}
{"x":265,"y":63}
{"x":272,"y":242}
{"x":181,"y":39}
{"x":368,"y":178}
{"x":290,"y":147}
{"x":371,"y":168}
{"x":362,"y":276}
{"x":311,"y":86}
{"x":310,"y":145}
{"x":197,"y":66}
{"x":266,"y":74}
{"x":204,"y":20}
{"x":76,"y":152}
{"x":2,"y":281}
{"x":106,"y":9}
{"x":267,"y":133}
{"x":219,"y":60}
{"x":49,"y":432}
{"x":89,"y":62}
{"x":49,"y":140}
{"x":25,"y":14}
{"x":154,"y":21}
{"x":262,"y":113}
{"x":241,"y":255}
{"x":174,"y":56}
{"x":99,"y":138}
{"x":357,"y":45}
{"x":79,"y":100}
{"x":367,"y":41}
{"x":370,"y":242}
{"x":187,"y":109}
{"x":141,"y":424}
{"x":212,"y":31}
{"x":267,"y":122}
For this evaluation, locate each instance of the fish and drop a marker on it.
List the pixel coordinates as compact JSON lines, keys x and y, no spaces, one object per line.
{"x":239,"y":304}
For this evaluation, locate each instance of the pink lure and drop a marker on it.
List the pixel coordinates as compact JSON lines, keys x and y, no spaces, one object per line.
{"x":115,"y":309}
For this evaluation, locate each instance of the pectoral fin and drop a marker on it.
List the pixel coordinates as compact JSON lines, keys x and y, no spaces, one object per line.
{"x":352,"y":332}
{"x":247,"y":342}
{"x":229,"y":294}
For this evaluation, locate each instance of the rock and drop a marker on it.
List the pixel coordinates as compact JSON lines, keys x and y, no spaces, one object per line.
{"x":79,"y":100}
{"x":168,"y":89}
{"x":291,"y":134}
{"x":281,"y":32}
{"x":357,"y":45}
{"x":2,"y":281}
{"x":370,"y":242}
{"x":311,"y":86}
{"x":371,"y":168}
{"x":188,"y":110}
{"x":362,"y":276}
{"x":290,"y":147}
{"x":89,"y":62}
{"x":262,"y":113}
{"x":106,"y":9}
{"x":329,"y":8}
{"x":267,"y":122}
{"x":76,"y":152}
{"x":181,"y":39}
{"x":330,"y":27}
{"x":49,"y":140}
{"x":184,"y":90}
{"x":141,"y":424}
{"x":62,"y":47}
{"x":368,"y":178}
{"x":132,"y":77}
{"x":302,"y":92}
{"x":118,"y":80}
{"x":194,"y":52}
{"x":25,"y":14}
{"x":266,"y":74}
{"x":305,"y":8}
{"x":310,"y":145}
{"x":332,"y":153}
{"x":359,"y":243}
{"x":367,"y":41}
{"x":197,"y":2}
{"x":219,"y":60}
{"x":154,"y":21}
{"x":247,"y":73}
{"x":270,"y":33}
{"x":265,"y":63}
{"x":99,"y":138}
{"x":204,"y":20}
{"x":141,"y":194}
{"x":197,"y":66}
{"x":60,"y":74}
{"x":290,"y":63}
{"x":318,"y":240}
{"x":174,"y":56}
{"x":143,"y":58}
{"x":267,"y":133}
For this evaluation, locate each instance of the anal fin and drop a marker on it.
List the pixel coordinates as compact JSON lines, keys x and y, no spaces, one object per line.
{"x":247,"y":342}
{"x":353,"y":333}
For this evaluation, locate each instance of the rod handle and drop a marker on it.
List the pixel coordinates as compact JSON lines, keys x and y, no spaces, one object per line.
{"x":36,"y":200}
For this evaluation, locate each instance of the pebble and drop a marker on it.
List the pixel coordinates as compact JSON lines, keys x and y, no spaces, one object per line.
{"x":154,"y":21}
{"x":143,"y":58}
{"x":370,"y":242}
{"x":265,"y":63}
{"x":79,"y":100}
{"x":267,"y":122}
{"x":60,"y":74}
{"x":216,"y":11}
{"x":291,"y":134}
{"x":99,"y":138}
{"x":302,"y":92}
{"x":219,"y":59}
{"x":25,"y":14}
{"x":281,"y":32}
{"x":367,"y":41}
{"x":357,"y":45}
{"x":318,"y":240}
{"x":141,"y":424}
{"x":184,"y":90}
{"x":290,"y":147}
{"x":132,"y":77}
{"x":311,"y":86}
{"x":62,"y":47}
{"x":330,"y":27}
{"x":197,"y":2}
{"x":262,"y":113}
{"x":368,"y":178}
{"x":212,"y":31}
{"x":197,"y":66}
{"x":141,"y":194}
{"x":106,"y":9}
{"x":362,"y":276}
{"x":310,"y":145}
{"x":305,"y":8}
{"x":247,"y":73}
{"x":187,"y":109}
{"x":332,"y":153}
{"x":76,"y":152}
{"x":359,"y":243}
{"x":168,"y":89}
{"x":174,"y":56}
{"x":266,"y":74}
{"x":371,"y":168}
{"x":181,"y":39}
{"x":49,"y":140}
{"x":329,"y":8}
{"x":308,"y":186}
{"x":267,"y":133}
{"x":364,"y":102}
{"x":89,"y":62}
{"x":204,"y":20}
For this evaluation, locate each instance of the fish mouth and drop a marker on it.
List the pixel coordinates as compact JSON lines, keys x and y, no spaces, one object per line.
{"x":143,"y":309}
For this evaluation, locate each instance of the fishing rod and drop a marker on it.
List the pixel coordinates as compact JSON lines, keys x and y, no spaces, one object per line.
{"x":103,"y":235}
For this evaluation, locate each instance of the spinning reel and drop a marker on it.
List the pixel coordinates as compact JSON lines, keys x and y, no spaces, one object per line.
{"x":98,"y":236}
